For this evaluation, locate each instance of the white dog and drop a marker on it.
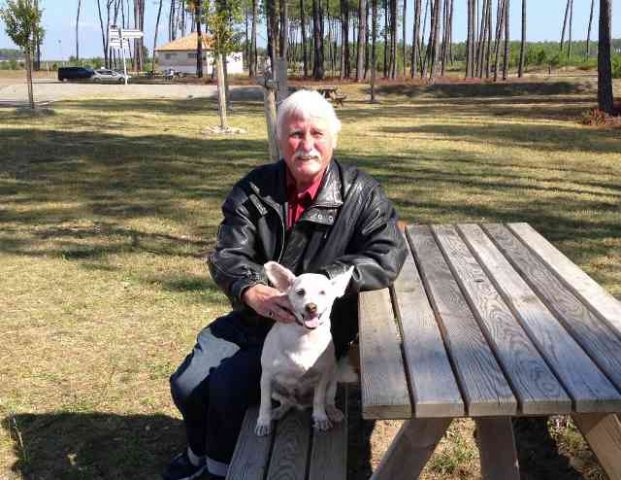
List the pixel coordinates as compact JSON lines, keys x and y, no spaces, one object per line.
{"x":298,"y":361}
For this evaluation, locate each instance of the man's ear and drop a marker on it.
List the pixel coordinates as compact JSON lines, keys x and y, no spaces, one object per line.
{"x":341,"y":281}
{"x":281,"y":277}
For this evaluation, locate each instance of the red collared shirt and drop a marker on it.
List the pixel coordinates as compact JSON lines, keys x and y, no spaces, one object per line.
{"x":298,"y":202}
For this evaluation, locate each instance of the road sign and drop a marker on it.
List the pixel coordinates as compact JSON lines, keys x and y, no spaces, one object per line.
{"x":131,"y":33}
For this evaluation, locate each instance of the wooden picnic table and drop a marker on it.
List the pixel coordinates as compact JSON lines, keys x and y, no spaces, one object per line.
{"x":489,"y":322}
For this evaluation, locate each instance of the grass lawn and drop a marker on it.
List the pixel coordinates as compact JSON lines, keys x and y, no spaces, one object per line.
{"x":107,"y":208}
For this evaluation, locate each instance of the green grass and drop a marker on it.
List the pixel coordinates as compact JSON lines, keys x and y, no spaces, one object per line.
{"x":109,"y":206}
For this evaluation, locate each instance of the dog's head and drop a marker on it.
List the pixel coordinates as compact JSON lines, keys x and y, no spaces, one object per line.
{"x":311,"y":295}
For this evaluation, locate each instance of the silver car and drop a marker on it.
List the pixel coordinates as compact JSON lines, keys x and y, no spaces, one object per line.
{"x":105,"y":75}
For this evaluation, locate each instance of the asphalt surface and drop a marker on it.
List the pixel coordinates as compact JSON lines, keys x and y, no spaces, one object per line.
{"x":14,"y":92}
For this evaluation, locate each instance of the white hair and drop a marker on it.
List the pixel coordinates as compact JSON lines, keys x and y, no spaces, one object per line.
{"x":307,"y":104}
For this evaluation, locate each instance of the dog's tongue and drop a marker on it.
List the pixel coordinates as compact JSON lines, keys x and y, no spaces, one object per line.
{"x":312,"y":322}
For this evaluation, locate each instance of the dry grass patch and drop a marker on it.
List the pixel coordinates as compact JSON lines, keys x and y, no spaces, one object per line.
{"x":108,"y":207}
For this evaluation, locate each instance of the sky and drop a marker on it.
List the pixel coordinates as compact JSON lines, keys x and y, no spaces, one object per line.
{"x":545,"y":19}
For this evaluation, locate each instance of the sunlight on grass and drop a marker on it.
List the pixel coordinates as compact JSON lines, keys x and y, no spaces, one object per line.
{"x":109,"y":206}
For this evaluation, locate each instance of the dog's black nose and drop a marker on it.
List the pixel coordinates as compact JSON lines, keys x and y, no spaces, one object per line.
{"x":311,"y":308}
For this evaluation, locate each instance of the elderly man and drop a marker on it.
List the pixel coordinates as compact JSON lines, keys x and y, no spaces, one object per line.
{"x":311,"y":214}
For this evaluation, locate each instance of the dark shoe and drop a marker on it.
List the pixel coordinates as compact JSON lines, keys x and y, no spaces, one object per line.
{"x":182,"y":469}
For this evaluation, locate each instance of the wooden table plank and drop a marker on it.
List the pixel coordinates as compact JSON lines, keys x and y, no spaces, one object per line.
{"x":384,"y":385}
{"x":595,"y":337}
{"x":535,"y":386}
{"x":581,"y":378}
{"x":289,"y":457}
{"x":424,"y":350}
{"x":328,"y":457}
{"x":574,"y":278}
{"x":251,"y":452}
{"x":482,"y":382}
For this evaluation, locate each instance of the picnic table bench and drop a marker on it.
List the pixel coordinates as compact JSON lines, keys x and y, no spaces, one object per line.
{"x":293,"y":451}
{"x":330,"y":93}
{"x":489,"y":322}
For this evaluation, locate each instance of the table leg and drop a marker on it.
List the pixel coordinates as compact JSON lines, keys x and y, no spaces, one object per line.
{"x":603,"y":433}
{"x":497,"y":448}
{"x":411,"y":448}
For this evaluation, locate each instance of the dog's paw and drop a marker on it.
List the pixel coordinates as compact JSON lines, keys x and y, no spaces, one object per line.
{"x":334,"y":414}
{"x":263,"y":428}
{"x":322,"y":423}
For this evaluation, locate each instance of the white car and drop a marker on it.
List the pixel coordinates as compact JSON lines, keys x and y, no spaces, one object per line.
{"x":105,"y":75}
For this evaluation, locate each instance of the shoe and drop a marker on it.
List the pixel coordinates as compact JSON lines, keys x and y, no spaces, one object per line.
{"x":182,"y":469}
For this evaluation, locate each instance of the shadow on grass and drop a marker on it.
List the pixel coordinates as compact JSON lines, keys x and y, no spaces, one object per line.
{"x":67,"y":446}
{"x":538,"y":452}
{"x":542,"y":138}
{"x":245,"y":100}
{"x":108,"y":180}
{"x":484,"y":89}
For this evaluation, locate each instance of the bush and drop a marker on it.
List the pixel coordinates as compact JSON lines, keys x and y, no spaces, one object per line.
{"x":616,"y":66}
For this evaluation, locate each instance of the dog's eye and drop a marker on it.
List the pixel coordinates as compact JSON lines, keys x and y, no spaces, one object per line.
{"x":300,"y":292}
{"x":322,"y":292}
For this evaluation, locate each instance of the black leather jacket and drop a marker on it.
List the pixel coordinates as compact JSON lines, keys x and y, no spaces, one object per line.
{"x":350,"y":223}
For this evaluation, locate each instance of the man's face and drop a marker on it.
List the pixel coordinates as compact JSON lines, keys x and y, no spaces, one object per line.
{"x":307,"y":147}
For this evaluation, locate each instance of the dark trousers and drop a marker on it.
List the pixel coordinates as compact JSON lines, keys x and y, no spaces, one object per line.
{"x":217,"y":382}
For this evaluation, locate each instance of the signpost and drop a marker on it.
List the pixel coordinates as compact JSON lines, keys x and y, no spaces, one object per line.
{"x":118,"y":38}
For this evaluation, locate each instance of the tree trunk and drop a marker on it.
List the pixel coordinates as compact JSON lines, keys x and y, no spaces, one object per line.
{"x":505,"y":63}
{"x":588,"y":40}
{"x":29,"y":76}
{"x":172,"y":26}
{"x":138,"y":42}
{"x":221,"y":92}
{"x":470,"y":40}
{"x":252,"y":64}
{"x":415,"y":38}
{"x":403,"y":34}
{"x":303,"y":26}
{"x":565,"y":24}
{"x":362,"y":34}
{"x":481,"y":40}
{"x":284,"y":29}
{"x":523,"y":43}
{"x":77,"y":38}
{"x":157,"y":26}
{"x":386,"y":23}
{"x":318,"y":71}
{"x":373,"y":51}
{"x":393,"y":39}
{"x":500,"y":19}
{"x":344,"y":39}
{"x":571,"y":24}
{"x":604,"y":66}
{"x":436,"y":19}
{"x":104,"y":37}
{"x":424,"y":50}
{"x":488,"y":47}
{"x":199,"y":38}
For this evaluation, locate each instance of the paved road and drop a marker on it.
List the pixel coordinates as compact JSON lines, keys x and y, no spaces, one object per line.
{"x":14,"y":92}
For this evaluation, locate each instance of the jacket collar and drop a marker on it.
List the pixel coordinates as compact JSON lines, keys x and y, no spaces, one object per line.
{"x":325,"y":206}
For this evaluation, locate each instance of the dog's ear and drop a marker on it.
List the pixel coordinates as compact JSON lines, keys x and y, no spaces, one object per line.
{"x":281,"y":277}
{"x":341,"y":281}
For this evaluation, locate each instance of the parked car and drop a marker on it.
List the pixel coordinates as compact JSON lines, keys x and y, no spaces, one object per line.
{"x":105,"y":75}
{"x":74,"y":73}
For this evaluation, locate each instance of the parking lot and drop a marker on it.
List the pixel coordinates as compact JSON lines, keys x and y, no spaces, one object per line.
{"x":13,"y":90}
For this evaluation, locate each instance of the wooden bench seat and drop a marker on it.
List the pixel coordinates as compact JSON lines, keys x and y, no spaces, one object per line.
{"x":294,"y":451}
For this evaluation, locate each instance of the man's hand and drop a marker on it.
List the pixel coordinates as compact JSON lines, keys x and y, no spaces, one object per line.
{"x":269,"y":302}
